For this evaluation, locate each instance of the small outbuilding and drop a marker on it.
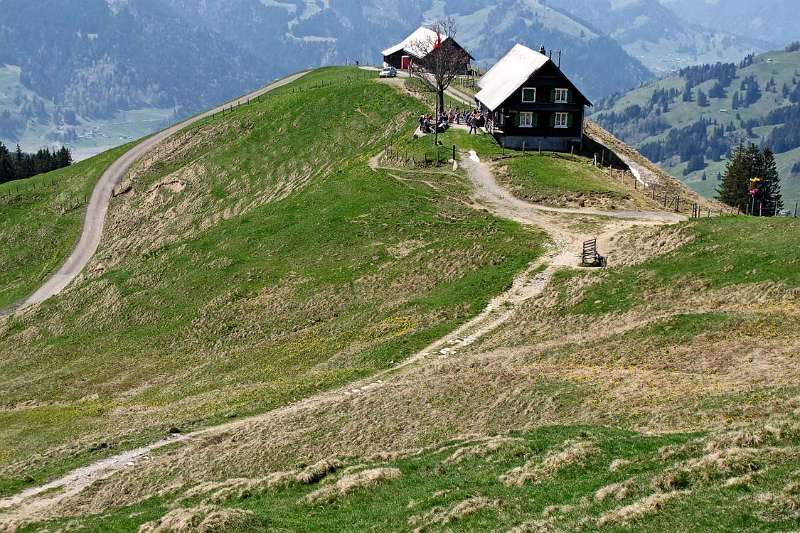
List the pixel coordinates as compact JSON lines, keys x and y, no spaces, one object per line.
{"x":414,"y":48}
{"x":532,"y":102}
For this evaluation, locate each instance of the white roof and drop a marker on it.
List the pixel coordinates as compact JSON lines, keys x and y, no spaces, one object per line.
{"x":422,"y":36}
{"x":508,"y":74}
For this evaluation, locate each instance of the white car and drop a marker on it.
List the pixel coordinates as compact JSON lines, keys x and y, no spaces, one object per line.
{"x":388,"y":72}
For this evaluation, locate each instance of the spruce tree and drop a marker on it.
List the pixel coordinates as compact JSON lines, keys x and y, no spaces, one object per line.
{"x":770,"y":189}
{"x":6,"y":166}
{"x":734,"y":187}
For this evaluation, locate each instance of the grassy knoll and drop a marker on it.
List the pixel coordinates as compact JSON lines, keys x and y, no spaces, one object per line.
{"x":550,"y":178}
{"x":255,"y":260}
{"x":556,"y":478}
{"x":559,"y":178}
{"x":40,"y":221}
{"x":723,"y":252}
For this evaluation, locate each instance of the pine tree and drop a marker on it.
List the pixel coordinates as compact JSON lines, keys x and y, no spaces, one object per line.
{"x":770,"y":190}
{"x":734,"y":187}
{"x":6,"y":166}
{"x":64,"y":157}
{"x":702,"y":99}
{"x":735,"y":104}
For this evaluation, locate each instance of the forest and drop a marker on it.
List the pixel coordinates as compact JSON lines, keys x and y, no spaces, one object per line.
{"x":20,"y":165}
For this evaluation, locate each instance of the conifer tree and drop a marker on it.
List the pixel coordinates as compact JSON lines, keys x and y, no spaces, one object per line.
{"x":771,"y":186}
{"x":733,"y":189}
{"x":751,"y":181}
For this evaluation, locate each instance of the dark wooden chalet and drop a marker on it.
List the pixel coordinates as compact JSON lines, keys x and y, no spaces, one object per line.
{"x":417,"y":46}
{"x":533,"y":102}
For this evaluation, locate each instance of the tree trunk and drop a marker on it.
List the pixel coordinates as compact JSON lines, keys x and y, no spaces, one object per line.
{"x":440,"y":102}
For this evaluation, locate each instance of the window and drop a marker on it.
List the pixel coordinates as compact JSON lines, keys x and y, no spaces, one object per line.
{"x":527,"y":120}
{"x":562,"y":96}
{"x":529,"y":95}
{"x":562,"y":120}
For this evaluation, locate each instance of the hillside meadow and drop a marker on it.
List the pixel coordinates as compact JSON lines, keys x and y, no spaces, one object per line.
{"x":252,"y":260}
{"x":656,"y":411}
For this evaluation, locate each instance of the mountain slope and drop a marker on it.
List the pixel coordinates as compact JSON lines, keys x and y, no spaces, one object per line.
{"x":80,"y":72}
{"x":687,"y":137}
{"x":658,"y":36}
{"x":208,"y":298}
{"x":774,"y":21}
{"x":320,"y":32}
{"x":265,"y":256}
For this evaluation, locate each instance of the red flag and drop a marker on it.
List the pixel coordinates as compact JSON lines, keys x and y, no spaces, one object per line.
{"x":438,"y":40}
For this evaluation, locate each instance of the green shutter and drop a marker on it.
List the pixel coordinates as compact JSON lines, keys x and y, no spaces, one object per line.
{"x":516,"y":120}
{"x":535,"y":120}
{"x":552,"y":120}
{"x":569,"y":120}
{"x":570,"y":96}
{"x":552,"y":95}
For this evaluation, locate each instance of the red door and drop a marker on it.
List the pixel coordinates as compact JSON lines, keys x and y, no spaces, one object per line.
{"x":405,"y":62}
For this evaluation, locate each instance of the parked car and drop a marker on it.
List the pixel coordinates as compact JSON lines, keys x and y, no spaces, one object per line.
{"x":388,"y":72}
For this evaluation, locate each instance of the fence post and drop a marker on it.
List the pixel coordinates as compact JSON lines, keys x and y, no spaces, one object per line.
{"x":795,"y":210}
{"x":454,"y":152}
{"x":523,"y":147}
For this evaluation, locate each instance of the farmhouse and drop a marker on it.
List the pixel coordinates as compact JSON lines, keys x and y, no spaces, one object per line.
{"x":418,"y":46}
{"x":533,"y":102}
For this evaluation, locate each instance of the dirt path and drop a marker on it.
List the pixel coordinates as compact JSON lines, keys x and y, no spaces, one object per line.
{"x":488,"y":193}
{"x":95,"y":216}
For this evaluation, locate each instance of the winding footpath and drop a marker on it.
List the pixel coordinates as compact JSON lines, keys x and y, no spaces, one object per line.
{"x":31,"y":504}
{"x":95,"y":216}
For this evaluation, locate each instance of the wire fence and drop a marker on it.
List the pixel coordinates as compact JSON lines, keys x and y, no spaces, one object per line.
{"x":436,"y":156}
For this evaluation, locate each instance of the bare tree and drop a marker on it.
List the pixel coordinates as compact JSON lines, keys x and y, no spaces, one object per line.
{"x":440,"y":58}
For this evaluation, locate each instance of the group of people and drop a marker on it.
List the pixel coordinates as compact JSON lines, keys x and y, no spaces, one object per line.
{"x":427,"y":124}
{"x":472,"y":118}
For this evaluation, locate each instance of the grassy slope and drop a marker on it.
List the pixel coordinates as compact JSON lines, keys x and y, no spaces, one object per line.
{"x":284,"y":267}
{"x":706,"y":360}
{"x":40,"y":220}
{"x":551,"y":178}
{"x":724,"y":253}
{"x":782,"y":67}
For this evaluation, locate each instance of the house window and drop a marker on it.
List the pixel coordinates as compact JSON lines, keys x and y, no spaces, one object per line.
{"x":562,"y":96}
{"x":527,"y":120}
{"x":562,"y":120}
{"x":529,"y":95}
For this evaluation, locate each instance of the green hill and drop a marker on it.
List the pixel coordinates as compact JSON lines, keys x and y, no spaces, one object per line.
{"x":264,"y":271}
{"x":253,"y":260}
{"x":691,"y":135}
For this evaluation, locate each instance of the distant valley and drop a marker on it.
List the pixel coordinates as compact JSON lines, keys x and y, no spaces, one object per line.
{"x":63,"y":80}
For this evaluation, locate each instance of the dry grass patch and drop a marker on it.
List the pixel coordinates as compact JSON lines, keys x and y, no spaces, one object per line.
{"x":350,"y":483}
{"x":618,"y":491}
{"x":441,"y":516}
{"x":571,"y":453}
{"x":639,"y":509}
{"x":203,"y":519}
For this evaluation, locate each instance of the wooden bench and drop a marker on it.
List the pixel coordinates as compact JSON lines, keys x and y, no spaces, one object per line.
{"x":591,"y":257}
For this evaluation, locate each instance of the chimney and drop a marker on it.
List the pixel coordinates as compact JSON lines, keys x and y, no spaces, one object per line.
{"x":542,"y":50}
